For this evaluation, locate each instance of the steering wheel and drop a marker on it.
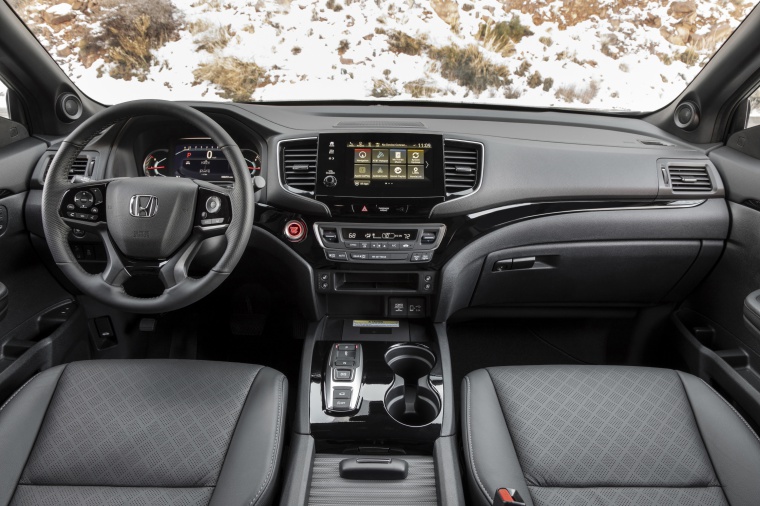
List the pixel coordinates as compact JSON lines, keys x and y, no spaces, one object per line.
{"x":149,"y":226}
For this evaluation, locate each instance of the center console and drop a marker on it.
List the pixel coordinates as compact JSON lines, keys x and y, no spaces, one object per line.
{"x":374,"y":423}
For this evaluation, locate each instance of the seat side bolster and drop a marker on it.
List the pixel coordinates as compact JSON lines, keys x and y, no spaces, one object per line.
{"x":491,"y":459}
{"x":20,"y":420}
{"x":253,"y":458}
{"x":732,"y":445}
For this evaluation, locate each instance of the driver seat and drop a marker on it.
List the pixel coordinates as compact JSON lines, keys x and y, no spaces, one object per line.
{"x":167,"y":432}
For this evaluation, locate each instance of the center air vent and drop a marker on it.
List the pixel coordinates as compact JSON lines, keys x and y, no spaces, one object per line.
{"x":299,"y":165}
{"x":462,"y":167}
{"x":688,"y":177}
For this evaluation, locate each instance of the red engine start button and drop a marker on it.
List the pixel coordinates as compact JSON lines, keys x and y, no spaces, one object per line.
{"x":295,"y":230}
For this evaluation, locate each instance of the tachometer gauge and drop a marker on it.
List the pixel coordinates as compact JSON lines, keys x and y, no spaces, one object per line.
{"x":253,"y":161}
{"x":157,"y":164}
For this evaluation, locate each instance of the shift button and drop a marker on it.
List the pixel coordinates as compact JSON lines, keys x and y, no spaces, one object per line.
{"x":343,"y":374}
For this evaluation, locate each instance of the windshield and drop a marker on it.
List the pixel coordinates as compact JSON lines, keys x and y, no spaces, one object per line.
{"x":624,"y":55}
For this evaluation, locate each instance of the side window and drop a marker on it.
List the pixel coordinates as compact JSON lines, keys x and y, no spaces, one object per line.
{"x":754,"y":109}
{"x":4,"y":101}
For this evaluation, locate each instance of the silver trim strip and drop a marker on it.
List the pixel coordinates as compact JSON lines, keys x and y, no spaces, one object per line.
{"x":279,"y":172}
{"x":676,"y":204}
{"x":480,"y":179}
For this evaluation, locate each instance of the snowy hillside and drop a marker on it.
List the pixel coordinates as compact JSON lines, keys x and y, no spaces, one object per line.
{"x":606,"y":54}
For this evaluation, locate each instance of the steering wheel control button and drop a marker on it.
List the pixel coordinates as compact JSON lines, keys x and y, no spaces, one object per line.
{"x":295,"y":231}
{"x":97,"y":195}
{"x":84,"y":199}
{"x":213,"y":204}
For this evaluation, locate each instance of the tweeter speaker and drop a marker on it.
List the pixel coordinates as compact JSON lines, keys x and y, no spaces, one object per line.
{"x":686,"y":116}
{"x":69,"y":107}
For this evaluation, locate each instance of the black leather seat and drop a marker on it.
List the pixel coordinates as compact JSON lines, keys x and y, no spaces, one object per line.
{"x":598,"y":435}
{"x":147,"y":432}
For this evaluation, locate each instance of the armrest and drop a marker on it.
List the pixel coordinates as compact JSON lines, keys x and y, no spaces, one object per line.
{"x":752,"y":312}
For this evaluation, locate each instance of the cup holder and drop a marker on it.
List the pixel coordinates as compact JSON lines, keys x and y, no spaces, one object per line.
{"x":411,"y":399}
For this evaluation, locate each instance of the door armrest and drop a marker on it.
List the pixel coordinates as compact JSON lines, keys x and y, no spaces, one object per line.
{"x":752,"y":312}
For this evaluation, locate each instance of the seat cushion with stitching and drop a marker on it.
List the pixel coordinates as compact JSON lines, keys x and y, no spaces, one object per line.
{"x":605,"y":435}
{"x":144,"y":432}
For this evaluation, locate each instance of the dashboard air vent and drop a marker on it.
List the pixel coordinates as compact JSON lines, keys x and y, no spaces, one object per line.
{"x":462,"y":167}
{"x":78,"y":168}
{"x":299,"y":165}
{"x":688,"y":177}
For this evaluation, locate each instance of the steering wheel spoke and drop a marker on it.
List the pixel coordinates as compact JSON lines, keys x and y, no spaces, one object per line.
{"x":115,"y":273}
{"x":175,"y":270}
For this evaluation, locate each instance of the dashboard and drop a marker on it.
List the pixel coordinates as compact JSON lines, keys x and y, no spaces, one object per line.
{"x":458,"y":208}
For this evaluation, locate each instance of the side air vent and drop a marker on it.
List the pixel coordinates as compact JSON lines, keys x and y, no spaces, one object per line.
{"x":688,"y":177}
{"x":462,"y":167}
{"x":82,"y":166}
{"x":299,"y":165}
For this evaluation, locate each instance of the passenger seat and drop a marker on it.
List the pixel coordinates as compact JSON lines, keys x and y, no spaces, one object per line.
{"x":605,"y":435}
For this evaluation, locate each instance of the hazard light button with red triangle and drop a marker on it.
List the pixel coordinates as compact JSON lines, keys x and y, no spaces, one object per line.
{"x":364,"y":208}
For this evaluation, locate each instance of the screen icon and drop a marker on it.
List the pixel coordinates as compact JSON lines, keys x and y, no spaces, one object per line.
{"x":398,"y":155}
{"x":362,"y":172}
{"x":380,"y":171}
{"x":380,"y":156}
{"x":416,"y":156}
{"x":416,"y":172}
{"x":362,"y":155}
{"x":398,"y":172}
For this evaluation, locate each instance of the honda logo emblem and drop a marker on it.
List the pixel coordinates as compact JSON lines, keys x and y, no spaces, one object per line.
{"x":143,"y":206}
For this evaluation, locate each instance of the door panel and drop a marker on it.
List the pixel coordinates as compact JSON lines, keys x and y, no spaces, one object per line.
{"x":717,"y":341}
{"x":38,"y":329}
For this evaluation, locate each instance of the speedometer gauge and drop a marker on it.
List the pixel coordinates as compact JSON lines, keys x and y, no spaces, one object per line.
{"x":253,"y":161}
{"x":157,"y":164}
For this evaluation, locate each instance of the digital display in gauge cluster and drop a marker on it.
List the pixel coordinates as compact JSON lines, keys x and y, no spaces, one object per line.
{"x":201,"y":160}
{"x":196,"y":158}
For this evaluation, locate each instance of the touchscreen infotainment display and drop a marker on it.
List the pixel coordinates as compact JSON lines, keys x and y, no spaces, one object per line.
{"x":380,"y":165}
{"x":389,"y":161}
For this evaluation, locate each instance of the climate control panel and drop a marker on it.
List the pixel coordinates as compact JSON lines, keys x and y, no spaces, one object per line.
{"x":378,"y":242}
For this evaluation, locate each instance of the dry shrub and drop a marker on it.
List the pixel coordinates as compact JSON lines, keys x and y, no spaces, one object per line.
{"x":535,"y":80}
{"x":382,"y":88}
{"x":523,"y":69}
{"x":236,"y":78}
{"x":400,"y":42}
{"x":469,"y":68}
{"x":214,"y":38}
{"x":572,"y":93}
{"x":419,"y":88}
{"x":512,"y":92}
{"x":689,"y":56}
{"x":495,"y":39}
{"x":130,"y":32}
{"x":548,"y":83}
{"x":546,"y":41}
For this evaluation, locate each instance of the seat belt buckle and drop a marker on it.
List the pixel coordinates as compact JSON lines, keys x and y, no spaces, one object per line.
{"x":508,"y":497}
